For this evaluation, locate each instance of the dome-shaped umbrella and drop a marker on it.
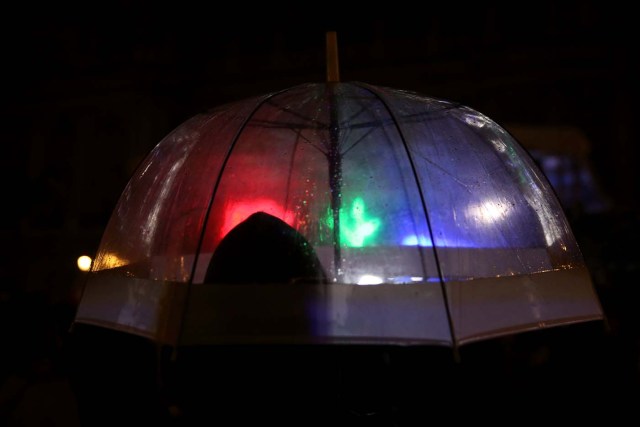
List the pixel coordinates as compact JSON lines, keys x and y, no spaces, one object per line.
{"x":338,"y":212}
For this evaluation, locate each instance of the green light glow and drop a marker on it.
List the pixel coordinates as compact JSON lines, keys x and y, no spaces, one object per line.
{"x":355,"y":225}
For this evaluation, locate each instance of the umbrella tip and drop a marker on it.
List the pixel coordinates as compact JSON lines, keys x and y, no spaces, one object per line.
{"x":333,"y":72}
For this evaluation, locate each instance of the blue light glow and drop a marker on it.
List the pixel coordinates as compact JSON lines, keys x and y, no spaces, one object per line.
{"x":414,"y":240}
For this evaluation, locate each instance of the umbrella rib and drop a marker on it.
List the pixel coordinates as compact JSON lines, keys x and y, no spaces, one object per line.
{"x":312,"y":123}
{"x":299,"y":134}
{"x":424,"y":207}
{"x":320,"y":125}
{"x":370,"y":125}
{"x":271,"y":124}
{"x":446,"y":172}
{"x":358,"y":141}
{"x":205,"y":220}
{"x":297,"y":128}
{"x":357,"y":113}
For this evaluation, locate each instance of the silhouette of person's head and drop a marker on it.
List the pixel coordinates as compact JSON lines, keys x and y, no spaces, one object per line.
{"x":264,"y":249}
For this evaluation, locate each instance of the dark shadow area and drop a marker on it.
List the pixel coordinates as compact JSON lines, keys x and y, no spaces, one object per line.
{"x":309,"y":385}
{"x":35,"y":388}
{"x":114,"y":377}
{"x":566,"y":373}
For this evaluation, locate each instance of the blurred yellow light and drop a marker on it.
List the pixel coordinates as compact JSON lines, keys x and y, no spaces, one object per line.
{"x":109,"y":260}
{"x":84,"y":263}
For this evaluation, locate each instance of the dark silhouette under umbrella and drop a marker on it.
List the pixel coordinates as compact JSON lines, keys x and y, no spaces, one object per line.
{"x":264,"y":249}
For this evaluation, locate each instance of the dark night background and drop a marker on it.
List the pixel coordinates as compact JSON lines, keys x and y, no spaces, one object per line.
{"x":90,"y":88}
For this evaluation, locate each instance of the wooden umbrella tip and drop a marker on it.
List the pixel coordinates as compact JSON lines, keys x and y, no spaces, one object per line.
{"x":333,"y":71}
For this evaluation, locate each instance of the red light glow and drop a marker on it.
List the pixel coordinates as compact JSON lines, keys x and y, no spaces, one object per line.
{"x":237,"y":212}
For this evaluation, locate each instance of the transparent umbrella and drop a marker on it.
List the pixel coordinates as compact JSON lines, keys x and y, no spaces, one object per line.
{"x":337,"y":212}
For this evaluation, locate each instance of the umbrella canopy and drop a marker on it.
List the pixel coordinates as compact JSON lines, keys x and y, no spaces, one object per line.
{"x":337,"y":213}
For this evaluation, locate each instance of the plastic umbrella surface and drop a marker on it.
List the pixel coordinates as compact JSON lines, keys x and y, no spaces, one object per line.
{"x":337,"y":213}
